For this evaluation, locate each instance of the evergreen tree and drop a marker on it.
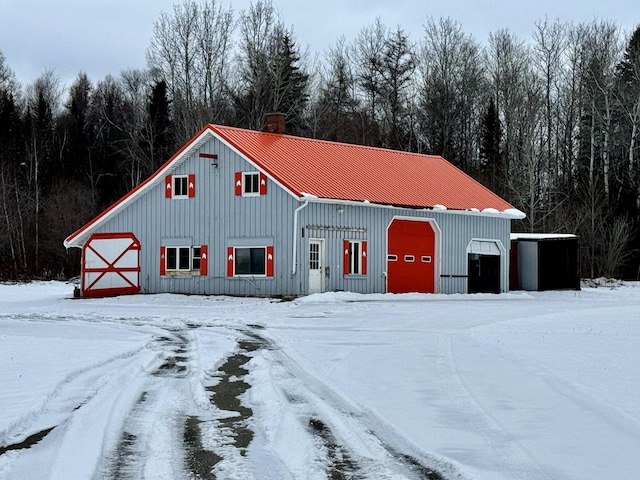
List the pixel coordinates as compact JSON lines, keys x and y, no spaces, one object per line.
{"x":76,"y":128}
{"x":337,"y":107}
{"x":490,"y":149}
{"x":158,"y":131}
{"x":396,"y":64}
{"x":289,"y":88}
{"x":628,"y":84}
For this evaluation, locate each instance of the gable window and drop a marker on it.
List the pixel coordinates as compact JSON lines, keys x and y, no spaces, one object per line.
{"x":355,"y":257}
{"x":250,"y":261}
{"x":180,"y":186}
{"x":183,"y":260}
{"x":250,"y":184}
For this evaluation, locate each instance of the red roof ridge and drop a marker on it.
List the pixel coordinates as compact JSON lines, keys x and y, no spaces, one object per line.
{"x":217,"y":128}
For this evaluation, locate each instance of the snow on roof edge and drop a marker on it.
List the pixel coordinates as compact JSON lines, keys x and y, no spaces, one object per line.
{"x":541,"y":236}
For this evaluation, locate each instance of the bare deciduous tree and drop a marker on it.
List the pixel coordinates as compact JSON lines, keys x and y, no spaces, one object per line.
{"x":189,"y":50}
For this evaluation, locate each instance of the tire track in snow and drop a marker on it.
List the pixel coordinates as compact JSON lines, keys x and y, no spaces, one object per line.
{"x":464,"y":405}
{"x":159,"y":406}
{"x":66,"y":396}
{"x":349,"y":442}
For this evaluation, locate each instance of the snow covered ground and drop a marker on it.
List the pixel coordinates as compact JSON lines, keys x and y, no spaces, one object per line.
{"x":484,"y":387}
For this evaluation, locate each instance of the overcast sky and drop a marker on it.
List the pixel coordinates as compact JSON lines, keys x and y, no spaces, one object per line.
{"x":103,"y":37}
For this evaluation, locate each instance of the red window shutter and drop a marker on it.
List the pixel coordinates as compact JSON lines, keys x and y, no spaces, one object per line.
{"x":191,"y":189}
{"x":238,"y":183}
{"x":204,"y":260}
{"x":230,"y":261}
{"x":163,"y":262}
{"x":347,"y":258}
{"x":263,"y":184}
{"x":364,"y":258}
{"x":168,"y":186}
{"x":270,"y":261}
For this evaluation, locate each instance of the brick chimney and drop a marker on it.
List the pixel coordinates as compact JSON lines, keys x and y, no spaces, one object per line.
{"x":274,"y":122}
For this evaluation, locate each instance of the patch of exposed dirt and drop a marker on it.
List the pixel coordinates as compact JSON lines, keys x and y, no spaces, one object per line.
{"x":415,"y":466}
{"x":200,"y":462}
{"x":341,"y":466}
{"x":27,"y":442}
{"x":176,"y":360}
{"x":225,"y":395}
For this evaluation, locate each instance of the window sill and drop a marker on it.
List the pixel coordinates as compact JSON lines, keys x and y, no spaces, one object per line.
{"x":186,"y":273}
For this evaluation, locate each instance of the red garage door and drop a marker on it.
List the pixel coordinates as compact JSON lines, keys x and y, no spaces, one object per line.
{"x":411,"y":250}
{"x":111,"y":264}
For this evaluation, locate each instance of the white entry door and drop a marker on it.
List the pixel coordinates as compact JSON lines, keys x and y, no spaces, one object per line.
{"x":316,"y":266}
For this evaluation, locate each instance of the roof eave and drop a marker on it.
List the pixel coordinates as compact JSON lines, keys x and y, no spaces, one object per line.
{"x":510,"y":213}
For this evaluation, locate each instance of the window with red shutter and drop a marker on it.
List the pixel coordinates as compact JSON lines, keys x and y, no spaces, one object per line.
{"x":250,"y":184}
{"x":355,"y":257}
{"x":250,"y":261}
{"x":180,"y":186}
{"x":183,"y":260}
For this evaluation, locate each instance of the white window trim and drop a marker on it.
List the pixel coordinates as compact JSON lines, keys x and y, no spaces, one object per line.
{"x":244,"y":183}
{"x":181,"y":271}
{"x":173,"y":187}
{"x":250,"y":275}
{"x":355,"y":259}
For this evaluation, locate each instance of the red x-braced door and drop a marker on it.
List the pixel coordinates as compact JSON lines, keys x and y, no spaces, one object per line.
{"x":111,"y":264}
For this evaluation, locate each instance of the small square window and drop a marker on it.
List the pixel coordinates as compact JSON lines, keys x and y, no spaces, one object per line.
{"x":251,"y":183}
{"x":426,"y":259}
{"x":392,"y":258}
{"x":409,"y":258}
{"x":180,"y":186}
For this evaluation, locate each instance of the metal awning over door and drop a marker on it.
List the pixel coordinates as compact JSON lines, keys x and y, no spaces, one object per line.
{"x":111,"y":264}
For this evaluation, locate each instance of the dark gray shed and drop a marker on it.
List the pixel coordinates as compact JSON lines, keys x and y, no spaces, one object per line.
{"x":544,"y":262}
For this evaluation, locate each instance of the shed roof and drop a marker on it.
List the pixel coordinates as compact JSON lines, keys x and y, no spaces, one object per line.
{"x":542,"y":236}
{"x":310,"y":168}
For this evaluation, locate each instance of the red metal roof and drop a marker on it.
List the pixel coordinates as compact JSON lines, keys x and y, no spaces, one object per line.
{"x":353,"y":172}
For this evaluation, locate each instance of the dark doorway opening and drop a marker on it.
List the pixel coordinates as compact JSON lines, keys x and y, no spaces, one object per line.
{"x":484,"y":273}
{"x":558,"y":266}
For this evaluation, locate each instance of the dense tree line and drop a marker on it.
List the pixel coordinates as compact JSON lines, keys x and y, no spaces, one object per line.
{"x":551,"y":124}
